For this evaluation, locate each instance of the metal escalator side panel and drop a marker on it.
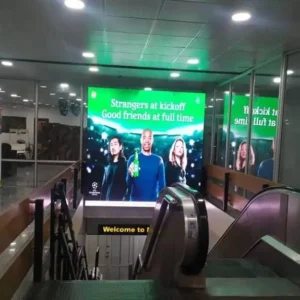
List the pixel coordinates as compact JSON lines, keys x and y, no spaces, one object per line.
{"x":265,"y":214}
{"x":158,"y":215}
{"x":169,"y":248}
{"x":195,"y":263}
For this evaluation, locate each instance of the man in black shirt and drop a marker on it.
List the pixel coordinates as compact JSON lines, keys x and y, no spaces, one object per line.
{"x":114,"y":179}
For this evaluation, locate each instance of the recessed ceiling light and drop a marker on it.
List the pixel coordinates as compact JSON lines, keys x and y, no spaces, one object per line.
{"x":227,"y":92}
{"x":14,"y":96}
{"x":2,"y":91}
{"x":64,"y":85}
{"x":88,"y":54}
{"x":193,"y":61}
{"x":148,"y":89}
{"x":25,"y":100}
{"x":43,"y":86}
{"x":175,"y":74}
{"x":93,"y":69}
{"x":290,"y":72}
{"x":6,"y":63}
{"x":78,"y":99}
{"x":74,"y":4}
{"x":72,"y":95}
{"x":276,"y":80}
{"x":247,"y":95}
{"x":52,"y":94}
{"x":241,"y":17}
{"x":210,"y":106}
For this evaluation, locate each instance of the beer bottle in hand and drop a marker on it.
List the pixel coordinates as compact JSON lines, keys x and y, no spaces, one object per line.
{"x":136,"y":164}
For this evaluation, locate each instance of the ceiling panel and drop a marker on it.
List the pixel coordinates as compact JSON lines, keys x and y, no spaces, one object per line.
{"x":158,"y":58}
{"x":128,"y":25}
{"x":163,"y":50}
{"x":126,"y":38}
{"x":199,"y":53}
{"x":176,"y":28}
{"x":187,"y":11}
{"x":120,"y":31}
{"x":124,"y":48}
{"x":170,"y":41}
{"x":207,"y":44}
{"x":133,"y":8}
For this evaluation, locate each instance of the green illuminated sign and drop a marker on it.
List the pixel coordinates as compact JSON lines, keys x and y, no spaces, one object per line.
{"x":264,"y":116}
{"x":130,"y":110}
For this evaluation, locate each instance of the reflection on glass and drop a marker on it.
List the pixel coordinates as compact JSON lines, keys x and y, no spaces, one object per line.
{"x":59,"y":121}
{"x":17,"y":122}
{"x":220,"y":126}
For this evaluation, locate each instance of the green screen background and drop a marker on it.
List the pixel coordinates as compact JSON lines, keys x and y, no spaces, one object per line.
{"x":238,"y":115}
{"x":99,"y":100}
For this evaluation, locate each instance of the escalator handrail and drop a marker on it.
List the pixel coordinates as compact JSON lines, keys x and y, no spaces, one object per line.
{"x":167,"y":199}
{"x":268,"y":190}
{"x":197,"y":265}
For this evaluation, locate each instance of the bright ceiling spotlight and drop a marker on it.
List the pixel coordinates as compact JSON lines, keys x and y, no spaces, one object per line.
{"x":290,"y":72}
{"x":149,"y":89}
{"x":74,"y":4}
{"x":175,"y":74}
{"x":64,"y":85}
{"x":88,"y":54}
{"x":193,"y":61}
{"x":6,"y":63}
{"x":93,"y":69}
{"x":276,"y":80}
{"x":241,"y":17}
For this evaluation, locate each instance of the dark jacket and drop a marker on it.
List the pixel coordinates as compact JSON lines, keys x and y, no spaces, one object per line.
{"x":174,"y":173}
{"x":114,"y":181}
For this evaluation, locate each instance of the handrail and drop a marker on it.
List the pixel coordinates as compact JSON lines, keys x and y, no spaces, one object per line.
{"x":228,"y":177}
{"x":60,"y":188}
{"x":203,"y":231}
{"x":167,"y":199}
{"x":15,"y":218}
{"x":143,"y":264}
{"x":196,"y":229}
{"x":278,"y":216}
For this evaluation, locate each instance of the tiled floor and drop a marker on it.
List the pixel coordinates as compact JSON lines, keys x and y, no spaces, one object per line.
{"x":20,"y":186}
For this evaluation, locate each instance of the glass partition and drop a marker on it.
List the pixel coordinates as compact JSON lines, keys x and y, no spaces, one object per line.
{"x":239,"y":125}
{"x":59,"y":121}
{"x":264,"y":118}
{"x":290,"y":143}
{"x":17,"y":135}
{"x":220,"y":129}
{"x":208,"y":127}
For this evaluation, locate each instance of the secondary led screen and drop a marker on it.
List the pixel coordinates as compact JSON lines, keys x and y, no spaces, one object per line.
{"x":263,"y":131}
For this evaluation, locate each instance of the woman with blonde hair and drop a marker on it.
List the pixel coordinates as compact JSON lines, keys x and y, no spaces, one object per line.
{"x":176,"y":166}
{"x":242,"y":157}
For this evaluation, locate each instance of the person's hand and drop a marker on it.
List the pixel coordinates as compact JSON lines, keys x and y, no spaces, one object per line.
{"x":131,"y":169}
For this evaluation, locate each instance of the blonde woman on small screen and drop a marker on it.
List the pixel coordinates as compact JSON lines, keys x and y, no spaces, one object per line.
{"x":176,"y":166}
{"x":242,"y":157}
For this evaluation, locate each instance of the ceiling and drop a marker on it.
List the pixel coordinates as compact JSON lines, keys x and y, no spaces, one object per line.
{"x":138,"y":42}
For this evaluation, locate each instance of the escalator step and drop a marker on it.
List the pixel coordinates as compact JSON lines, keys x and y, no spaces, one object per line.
{"x":236,"y":268}
{"x":92,"y":290}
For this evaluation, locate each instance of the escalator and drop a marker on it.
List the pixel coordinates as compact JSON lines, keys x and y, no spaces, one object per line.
{"x":254,"y":258}
{"x":257,"y":257}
